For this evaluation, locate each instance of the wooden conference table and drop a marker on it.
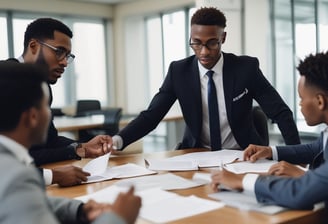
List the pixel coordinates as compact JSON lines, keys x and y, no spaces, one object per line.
{"x":224,"y":215}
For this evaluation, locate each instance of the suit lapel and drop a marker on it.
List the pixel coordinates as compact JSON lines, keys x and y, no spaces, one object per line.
{"x":228,"y":79}
{"x":197,"y":106}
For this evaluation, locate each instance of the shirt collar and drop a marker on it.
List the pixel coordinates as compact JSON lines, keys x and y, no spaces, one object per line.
{"x":21,"y":59}
{"x":20,"y":152}
{"x":217,"y":68}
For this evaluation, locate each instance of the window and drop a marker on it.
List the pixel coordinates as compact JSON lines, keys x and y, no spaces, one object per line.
{"x":3,"y":38}
{"x":300,"y":29}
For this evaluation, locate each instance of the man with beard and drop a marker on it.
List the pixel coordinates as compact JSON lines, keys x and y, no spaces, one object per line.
{"x":47,"y":42}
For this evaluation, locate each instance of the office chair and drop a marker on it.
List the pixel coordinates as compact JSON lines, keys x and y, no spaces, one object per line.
{"x":260,"y":121}
{"x":57,"y":112}
{"x":110,"y":127}
{"x":85,"y":106}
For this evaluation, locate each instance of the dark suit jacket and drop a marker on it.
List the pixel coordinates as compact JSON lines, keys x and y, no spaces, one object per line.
{"x":297,"y":193}
{"x":243,"y":81}
{"x":57,"y":148}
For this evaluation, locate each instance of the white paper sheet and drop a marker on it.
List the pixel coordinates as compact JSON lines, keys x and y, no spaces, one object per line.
{"x":245,"y":202}
{"x":166,"y":181}
{"x":170,"y":165}
{"x":260,"y":166}
{"x":98,"y":165}
{"x":158,"y":206}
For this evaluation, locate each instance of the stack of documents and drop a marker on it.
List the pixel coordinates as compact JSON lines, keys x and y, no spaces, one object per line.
{"x":192,"y":161}
{"x":158,"y":206}
{"x":260,"y":166}
{"x":100,"y":171}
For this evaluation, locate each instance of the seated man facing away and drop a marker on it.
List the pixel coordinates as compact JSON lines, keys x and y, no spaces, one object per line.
{"x":304,"y":191}
{"x":24,"y":120}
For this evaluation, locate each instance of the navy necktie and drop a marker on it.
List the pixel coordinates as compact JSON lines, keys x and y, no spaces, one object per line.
{"x":213,"y":112}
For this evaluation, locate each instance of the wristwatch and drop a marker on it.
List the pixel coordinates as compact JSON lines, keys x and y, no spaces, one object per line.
{"x":79,"y":150}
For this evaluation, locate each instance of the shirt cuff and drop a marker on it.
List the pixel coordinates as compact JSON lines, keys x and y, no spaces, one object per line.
{"x":274,"y":153}
{"x":117,"y":142}
{"x":249,"y":183}
{"x":47,"y":176}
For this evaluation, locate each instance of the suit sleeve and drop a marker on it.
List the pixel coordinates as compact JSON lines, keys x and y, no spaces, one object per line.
{"x":295,"y":193}
{"x":57,"y":148}
{"x":300,"y":154}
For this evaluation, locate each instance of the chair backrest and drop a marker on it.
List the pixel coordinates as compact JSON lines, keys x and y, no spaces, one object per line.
{"x":84,"y":106}
{"x":261,"y":124}
{"x":111,"y":123}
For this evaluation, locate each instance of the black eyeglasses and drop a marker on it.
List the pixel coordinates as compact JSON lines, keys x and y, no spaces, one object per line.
{"x":60,"y":53}
{"x":210,"y":45}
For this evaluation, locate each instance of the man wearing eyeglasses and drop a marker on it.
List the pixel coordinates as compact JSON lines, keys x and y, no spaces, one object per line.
{"x":215,"y":91}
{"x":47,"y":42}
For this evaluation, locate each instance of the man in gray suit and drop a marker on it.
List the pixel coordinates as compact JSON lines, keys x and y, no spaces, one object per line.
{"x":304,"y":191}
{"x":24,"y":121}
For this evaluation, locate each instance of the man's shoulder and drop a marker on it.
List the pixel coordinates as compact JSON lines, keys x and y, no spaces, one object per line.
{"x":12,"y":60}
{"x":185,"y":61}
{"x":234,"y":57}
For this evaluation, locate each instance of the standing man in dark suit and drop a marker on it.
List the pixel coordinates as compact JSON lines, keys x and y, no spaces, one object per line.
{"x":305,"y":190}
{"x":47,"y":42}
{"x":238,"y":81}
{"x":24,"y":121}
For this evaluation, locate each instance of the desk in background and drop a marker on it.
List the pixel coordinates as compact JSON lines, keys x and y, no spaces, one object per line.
{"x":223,"y":215}
{"x":175,"y":125}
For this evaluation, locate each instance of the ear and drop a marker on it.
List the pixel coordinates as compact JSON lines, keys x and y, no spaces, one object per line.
{"x":322,"y":102}
{"x":34,"y":46}
{"x":224,"y":35}
{"x":30,"y":118}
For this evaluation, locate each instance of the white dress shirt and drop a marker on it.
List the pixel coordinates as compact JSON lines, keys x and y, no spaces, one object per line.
{"x":228,"y":141}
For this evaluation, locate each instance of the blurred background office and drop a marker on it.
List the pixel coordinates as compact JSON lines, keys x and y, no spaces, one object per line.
{"x":123,"y":47}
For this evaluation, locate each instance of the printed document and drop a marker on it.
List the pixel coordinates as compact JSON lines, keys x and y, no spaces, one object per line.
{"x":100,"y":171}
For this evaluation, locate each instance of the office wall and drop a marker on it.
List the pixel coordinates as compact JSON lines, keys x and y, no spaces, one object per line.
{"x":59,"y":6}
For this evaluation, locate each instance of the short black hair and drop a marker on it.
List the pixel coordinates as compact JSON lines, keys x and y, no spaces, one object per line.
{"x":20,"y":90}
{"x":315,"y":69}
{"x":209,"y":16}
{"x":44,"y":28}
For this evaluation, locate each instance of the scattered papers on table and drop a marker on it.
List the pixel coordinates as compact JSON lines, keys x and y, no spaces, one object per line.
{"x":158,"y":206}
